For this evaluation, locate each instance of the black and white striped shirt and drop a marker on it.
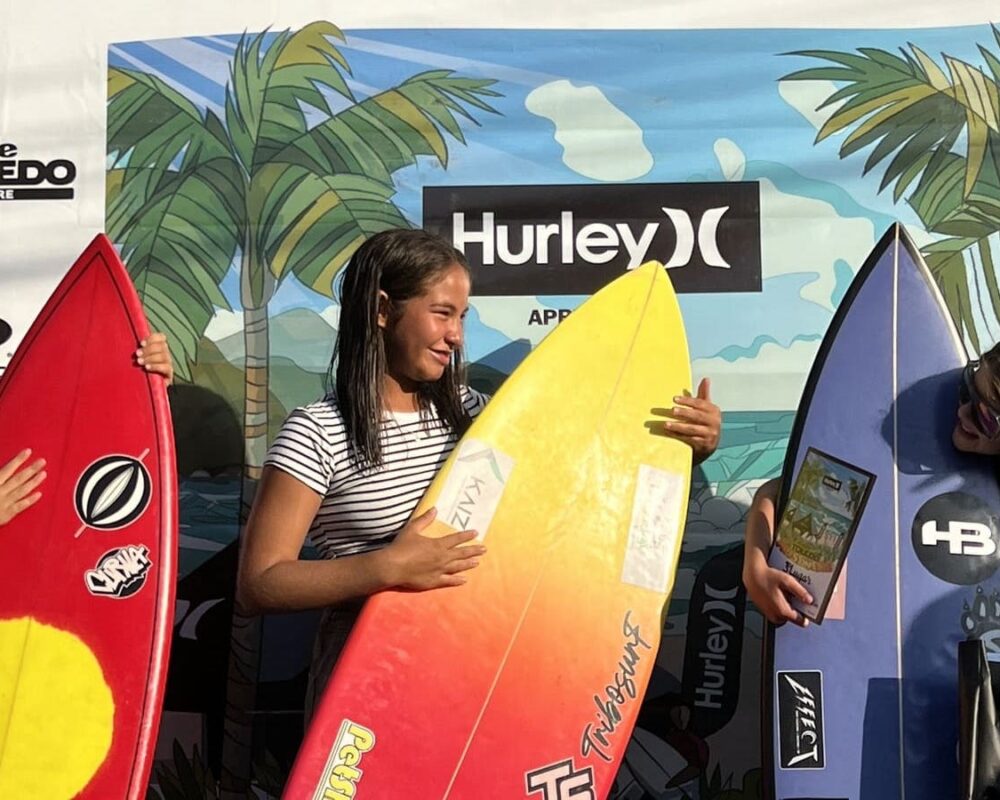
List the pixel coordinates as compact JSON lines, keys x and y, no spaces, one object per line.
{"x":363,"y":510}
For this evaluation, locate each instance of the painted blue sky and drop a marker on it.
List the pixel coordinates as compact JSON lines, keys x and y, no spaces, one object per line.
{"x":708,"y":105}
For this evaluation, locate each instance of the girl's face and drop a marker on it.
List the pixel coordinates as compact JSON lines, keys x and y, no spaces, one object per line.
{"x":968,"y":434}
{"x":422,"y":333}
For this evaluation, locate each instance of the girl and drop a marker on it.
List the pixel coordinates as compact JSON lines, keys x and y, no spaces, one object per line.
{"x":348,"y":470}
{"x":977,"y":430}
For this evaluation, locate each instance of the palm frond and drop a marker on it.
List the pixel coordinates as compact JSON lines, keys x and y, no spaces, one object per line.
{"x":390,"y":130}
{"x":270,"y":86}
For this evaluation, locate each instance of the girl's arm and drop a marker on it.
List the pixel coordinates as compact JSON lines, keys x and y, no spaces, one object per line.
{"x":768,"y":588}
{"x":273,"y":578}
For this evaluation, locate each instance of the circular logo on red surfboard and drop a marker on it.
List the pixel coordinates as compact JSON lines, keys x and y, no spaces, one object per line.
{"x":955,"y":536}
{"x":113,"y":492}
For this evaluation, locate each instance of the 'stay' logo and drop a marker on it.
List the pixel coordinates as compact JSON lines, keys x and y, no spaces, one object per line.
{"x":572,"y":239}
{"x":342,"y":771}
{"x":963,"y":538}
{"x":708,"y":238}
{"x":120,"y":572}
{"x":955,"y":536}
{"x":561,"y":781}
{"x":800,"y":720}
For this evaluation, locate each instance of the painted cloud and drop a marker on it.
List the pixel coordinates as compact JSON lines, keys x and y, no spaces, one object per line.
{"x":738,"y":384}
{"x":599,"y":140}
{"x":801,"y":234}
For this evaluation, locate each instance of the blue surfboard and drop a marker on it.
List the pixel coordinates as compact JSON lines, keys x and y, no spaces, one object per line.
{"x":865,"y":707}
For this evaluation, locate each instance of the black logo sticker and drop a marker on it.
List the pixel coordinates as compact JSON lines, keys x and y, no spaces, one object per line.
{"x":120,"y":572}
{"x":112,"y":493}
{"x":561,"y":781}
{"x":955,"y":537}
{"x":574,"y":239}
{"x":800,"y":720}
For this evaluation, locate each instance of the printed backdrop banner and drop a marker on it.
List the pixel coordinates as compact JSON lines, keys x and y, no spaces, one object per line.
{"x":759,"y":163}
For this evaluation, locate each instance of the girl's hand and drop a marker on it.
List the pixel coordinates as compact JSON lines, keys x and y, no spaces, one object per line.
{"x":153,"y":356}
{"x":770,"y":589}
{"x":418,"y":562}
{"x":696,"y":421}
{"x":17,"y":488}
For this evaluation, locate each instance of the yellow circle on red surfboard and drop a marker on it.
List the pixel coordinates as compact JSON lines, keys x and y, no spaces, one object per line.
{"x":56,"y":711}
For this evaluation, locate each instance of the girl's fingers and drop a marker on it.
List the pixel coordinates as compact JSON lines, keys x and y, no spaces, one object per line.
{"x":11,"y":466}
{"x":793,"y":587}
{"x":461,"y":565}
{"x":23,"y":476}
{"x":455,"y":539}
{"x":686,"y":429}
{"x":30,"y":486}
{"x":26,"y":502}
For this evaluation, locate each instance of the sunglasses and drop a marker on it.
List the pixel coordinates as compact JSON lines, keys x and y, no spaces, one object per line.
{"x":986,"y":419}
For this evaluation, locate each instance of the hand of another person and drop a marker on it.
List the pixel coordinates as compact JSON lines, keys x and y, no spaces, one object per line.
{"x":419,"y":562}
{"x":153,"y":355}
{"x":771,"y":589}
{"x":17,"y":486}
{"x":696,"y":421}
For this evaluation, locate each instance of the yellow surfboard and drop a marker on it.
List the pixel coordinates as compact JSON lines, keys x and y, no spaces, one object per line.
{"x":526,"y":681}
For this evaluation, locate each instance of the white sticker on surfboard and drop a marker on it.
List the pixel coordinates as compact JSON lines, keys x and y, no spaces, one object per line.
{"x":473,"y":489}
{"x":655,"y":526}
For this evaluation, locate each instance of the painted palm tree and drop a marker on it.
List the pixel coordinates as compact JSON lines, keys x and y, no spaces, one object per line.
{"x":281,"y":184}
{"x":941,"y":125}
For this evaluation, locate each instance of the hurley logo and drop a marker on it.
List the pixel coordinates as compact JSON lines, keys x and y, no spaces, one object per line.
{"x":574,"y":239}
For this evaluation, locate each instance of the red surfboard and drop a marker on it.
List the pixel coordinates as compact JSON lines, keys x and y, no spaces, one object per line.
{"x":86,"y":601}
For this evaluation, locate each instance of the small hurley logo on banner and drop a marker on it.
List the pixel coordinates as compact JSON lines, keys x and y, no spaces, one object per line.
{"x":800,"y":720}
{"x":574,"y":239}
{"x":30,"y":179}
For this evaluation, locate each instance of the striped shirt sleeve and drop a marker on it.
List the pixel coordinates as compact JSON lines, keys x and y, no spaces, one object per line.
{"x":473,"y":401}
{"x":303,"y":450}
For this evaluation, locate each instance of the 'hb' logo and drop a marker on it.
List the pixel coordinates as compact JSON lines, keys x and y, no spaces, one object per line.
{"x":968,"y":525}
{"x":559,"y":781}
{"x":708,"y":228}
{"x":963,"y":538}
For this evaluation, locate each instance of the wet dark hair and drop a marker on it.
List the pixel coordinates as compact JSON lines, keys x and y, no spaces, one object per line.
{"x":402,"y":263}
{"x":990,"y":360}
